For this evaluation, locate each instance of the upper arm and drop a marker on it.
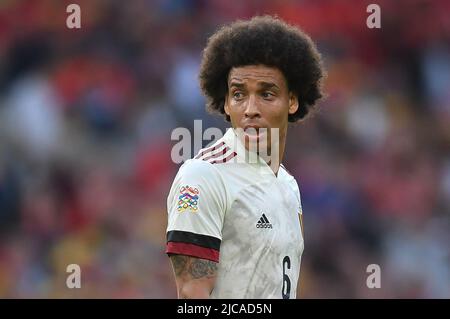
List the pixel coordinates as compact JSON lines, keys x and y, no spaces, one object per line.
{"x":195,"y":277}
{"x":196,"y":209}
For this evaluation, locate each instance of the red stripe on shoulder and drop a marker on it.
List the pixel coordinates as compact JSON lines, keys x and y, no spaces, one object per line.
{"x":224,"y":160}
{"x":209,"y":149}
{"x":214,"y":155}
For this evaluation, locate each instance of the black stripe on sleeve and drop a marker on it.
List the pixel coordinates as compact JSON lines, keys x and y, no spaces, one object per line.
{"x":193,"y":238}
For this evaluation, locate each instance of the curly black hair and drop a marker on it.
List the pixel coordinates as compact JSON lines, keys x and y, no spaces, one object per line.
{"x":268,"y":41}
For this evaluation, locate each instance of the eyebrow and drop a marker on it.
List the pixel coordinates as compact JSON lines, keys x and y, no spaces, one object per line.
{"x":263,"y":85}
{"x":237,"y":84}
{"x":268,"y":85}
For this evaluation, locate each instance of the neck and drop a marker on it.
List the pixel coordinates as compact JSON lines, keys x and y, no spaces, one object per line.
{"x":275,"y":161}
{"x":275,"y":158}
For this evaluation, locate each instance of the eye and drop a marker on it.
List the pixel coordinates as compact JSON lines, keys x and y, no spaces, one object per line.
{"x":267,"y":95}
{"x":237,"y":95}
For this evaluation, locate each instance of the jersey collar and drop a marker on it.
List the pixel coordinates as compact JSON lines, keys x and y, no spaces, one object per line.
{"x":243,"y":156}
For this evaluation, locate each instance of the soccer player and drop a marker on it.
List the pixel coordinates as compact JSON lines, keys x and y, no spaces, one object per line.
{"x":234,"y":225}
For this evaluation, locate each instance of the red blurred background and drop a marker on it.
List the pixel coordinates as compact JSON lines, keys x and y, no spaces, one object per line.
{"x":85,"y":122}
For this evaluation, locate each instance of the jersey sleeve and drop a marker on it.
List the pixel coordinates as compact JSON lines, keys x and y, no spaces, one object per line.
{"x":196,"y":208}
{"x":300,"y":208}
{"x":294,"y":186}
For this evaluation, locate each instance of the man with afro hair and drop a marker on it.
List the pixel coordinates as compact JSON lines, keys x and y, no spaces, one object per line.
{"x":234,"y":212}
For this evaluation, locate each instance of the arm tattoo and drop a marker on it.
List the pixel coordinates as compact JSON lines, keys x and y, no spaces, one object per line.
{"x":202,"y":268}
{"x":193,"y":267}
{"x":179,"y":263}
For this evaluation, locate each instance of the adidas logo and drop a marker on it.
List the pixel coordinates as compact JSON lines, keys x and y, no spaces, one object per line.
{"x":263,"y":222}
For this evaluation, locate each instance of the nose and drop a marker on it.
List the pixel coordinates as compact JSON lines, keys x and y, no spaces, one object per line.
{"x":252,"y":108}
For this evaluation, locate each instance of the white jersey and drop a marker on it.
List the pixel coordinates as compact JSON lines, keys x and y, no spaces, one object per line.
{"x":240,"y":215}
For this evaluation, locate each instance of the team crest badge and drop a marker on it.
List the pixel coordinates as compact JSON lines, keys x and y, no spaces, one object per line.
{"x":188,"y":199}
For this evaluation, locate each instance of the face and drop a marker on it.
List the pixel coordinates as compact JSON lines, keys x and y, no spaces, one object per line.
{"x":258,"y":98}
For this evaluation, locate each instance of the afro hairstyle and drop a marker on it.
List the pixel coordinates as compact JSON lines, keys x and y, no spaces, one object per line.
{"x":263,"y":40}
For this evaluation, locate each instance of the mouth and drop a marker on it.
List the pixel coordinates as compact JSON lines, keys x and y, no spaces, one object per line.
{"x":251,"y":130}
{"x":254,"y":132}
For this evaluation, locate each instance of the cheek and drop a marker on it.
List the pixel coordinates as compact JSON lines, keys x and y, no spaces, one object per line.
{"x":234,"y":115}
{"x":235,"y":110}
{"x":280,"y":113}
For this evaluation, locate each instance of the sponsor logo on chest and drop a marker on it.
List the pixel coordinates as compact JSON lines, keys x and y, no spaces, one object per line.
{"x":263,"y":222}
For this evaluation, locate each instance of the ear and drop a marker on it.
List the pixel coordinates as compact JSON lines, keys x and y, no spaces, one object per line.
{"x":226,"y":107}
{"x":293,"y":103}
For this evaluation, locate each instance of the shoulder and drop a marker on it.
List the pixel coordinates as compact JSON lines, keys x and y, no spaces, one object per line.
{"x":197,"y":167}
{"x":291,"y":180}
{"x":195,"y":171}
{"x":200,"y":179}
{"x":288,"y":177}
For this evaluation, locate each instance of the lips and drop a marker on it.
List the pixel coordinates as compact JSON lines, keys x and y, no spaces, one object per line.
{"x":254,"y":133}
{"x":252,"y":129}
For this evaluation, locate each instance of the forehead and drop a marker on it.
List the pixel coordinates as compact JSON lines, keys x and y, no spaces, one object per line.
{"x":258,"y":73}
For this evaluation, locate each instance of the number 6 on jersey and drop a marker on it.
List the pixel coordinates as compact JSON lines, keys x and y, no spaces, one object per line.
{"x":286,"y":291}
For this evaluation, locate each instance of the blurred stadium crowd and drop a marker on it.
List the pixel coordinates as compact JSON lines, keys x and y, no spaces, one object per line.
{"x":85,"y":123}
